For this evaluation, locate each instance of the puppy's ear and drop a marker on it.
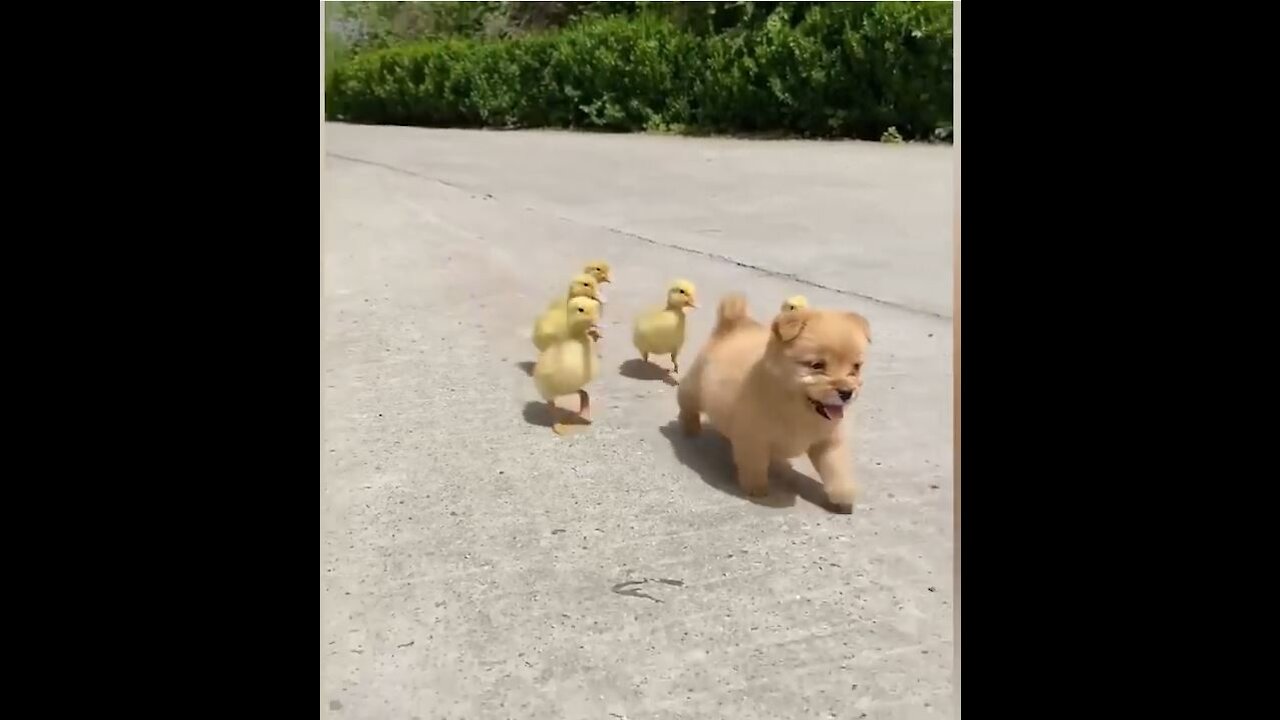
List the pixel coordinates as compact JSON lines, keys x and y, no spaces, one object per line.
{"x":788,"y":325}
{"x":862,"y":324}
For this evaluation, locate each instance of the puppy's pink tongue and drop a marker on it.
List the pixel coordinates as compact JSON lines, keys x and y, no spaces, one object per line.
{"x":834,"y":411}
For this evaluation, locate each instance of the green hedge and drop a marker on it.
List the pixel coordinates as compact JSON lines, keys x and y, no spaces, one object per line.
{"x":844,"y":69}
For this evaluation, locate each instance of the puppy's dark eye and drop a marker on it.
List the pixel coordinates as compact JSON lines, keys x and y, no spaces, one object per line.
{"x":818,"y":365}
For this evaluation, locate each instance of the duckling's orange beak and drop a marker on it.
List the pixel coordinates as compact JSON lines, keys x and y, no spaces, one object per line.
{"x":693,"y":305}
{"x":594,"y":332}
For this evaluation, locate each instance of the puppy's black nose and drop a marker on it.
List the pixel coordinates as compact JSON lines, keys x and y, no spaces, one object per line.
{"x":845,"y":394}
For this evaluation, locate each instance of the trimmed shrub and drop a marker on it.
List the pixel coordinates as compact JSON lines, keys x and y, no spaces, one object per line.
{"x":842,"y":69}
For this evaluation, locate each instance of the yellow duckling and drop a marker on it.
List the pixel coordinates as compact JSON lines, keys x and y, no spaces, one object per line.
{"x":795,"y":302}
{"x":661,"y":331}
{"x":551,"y":325}
{"x":569,"y":363}
{"x":599,"y":270}
{"x":578,"y":288}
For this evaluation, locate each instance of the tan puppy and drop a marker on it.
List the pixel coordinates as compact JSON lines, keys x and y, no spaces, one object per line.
{"x":780,"y":391}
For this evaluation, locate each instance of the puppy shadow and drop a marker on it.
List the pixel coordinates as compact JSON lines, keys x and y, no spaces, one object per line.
{"x":638,"y":369}
{"x":526,"y":366}
{"x":711,"y":456}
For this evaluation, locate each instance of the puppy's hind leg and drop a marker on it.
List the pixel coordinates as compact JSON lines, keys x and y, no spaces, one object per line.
{"x":752,"y":460}
{"x":690,"y":410}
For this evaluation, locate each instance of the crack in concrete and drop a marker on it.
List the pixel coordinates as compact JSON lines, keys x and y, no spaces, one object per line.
{"x":623,"y":588}
{"x":402,"y":171}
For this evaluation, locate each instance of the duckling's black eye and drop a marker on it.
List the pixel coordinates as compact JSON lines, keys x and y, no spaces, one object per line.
{"x":581,"y":310}
{"x":818,"y":365}
{"x":857,"y":368}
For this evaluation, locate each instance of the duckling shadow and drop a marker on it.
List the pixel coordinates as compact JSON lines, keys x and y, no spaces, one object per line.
{"x":537,"y":413}
{"x":711,"y":456}
{"x":526,"y":366}
{"x":638,"y":369}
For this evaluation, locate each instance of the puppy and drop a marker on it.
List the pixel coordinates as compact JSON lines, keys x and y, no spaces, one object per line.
{"x":777,"y":392}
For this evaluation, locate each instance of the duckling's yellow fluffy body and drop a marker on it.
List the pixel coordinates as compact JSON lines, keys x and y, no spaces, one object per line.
{"x":570,"y":362}
{"x":662,"y":331}
{"x":566,"y":366}
{"x":552,"y":324}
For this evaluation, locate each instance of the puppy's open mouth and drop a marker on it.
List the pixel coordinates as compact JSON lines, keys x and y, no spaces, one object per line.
{"x":830,"y":412}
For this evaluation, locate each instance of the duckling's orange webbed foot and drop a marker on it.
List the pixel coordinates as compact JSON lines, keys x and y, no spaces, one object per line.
{"x":573,"y":425}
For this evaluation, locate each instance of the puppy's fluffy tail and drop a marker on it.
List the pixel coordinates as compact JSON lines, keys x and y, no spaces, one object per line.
{"x":732,"y":314}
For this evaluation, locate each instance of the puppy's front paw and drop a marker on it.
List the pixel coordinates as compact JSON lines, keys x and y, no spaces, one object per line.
{"x":753,"y":466}
{"x":842,"y":498}
{"x":691,"y":423}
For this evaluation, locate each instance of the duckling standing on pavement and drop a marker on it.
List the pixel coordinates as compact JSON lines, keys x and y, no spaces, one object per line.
{"x":795,"y":302}
{"x":661,"y":331}
{"x":570,"y":362}
{"x":551,"y":325}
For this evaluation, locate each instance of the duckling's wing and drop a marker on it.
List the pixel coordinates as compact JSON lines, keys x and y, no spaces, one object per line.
{"x":649,"y":316}
{"x":649,"y":328}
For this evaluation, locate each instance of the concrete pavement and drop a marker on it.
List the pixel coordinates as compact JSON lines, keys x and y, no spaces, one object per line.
{"x":473,"y":565}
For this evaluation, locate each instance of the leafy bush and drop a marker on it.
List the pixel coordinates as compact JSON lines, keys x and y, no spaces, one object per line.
{"x":839,"y":69}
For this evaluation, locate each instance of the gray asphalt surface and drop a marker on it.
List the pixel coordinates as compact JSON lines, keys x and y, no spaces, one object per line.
{"x":474,"y":565}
